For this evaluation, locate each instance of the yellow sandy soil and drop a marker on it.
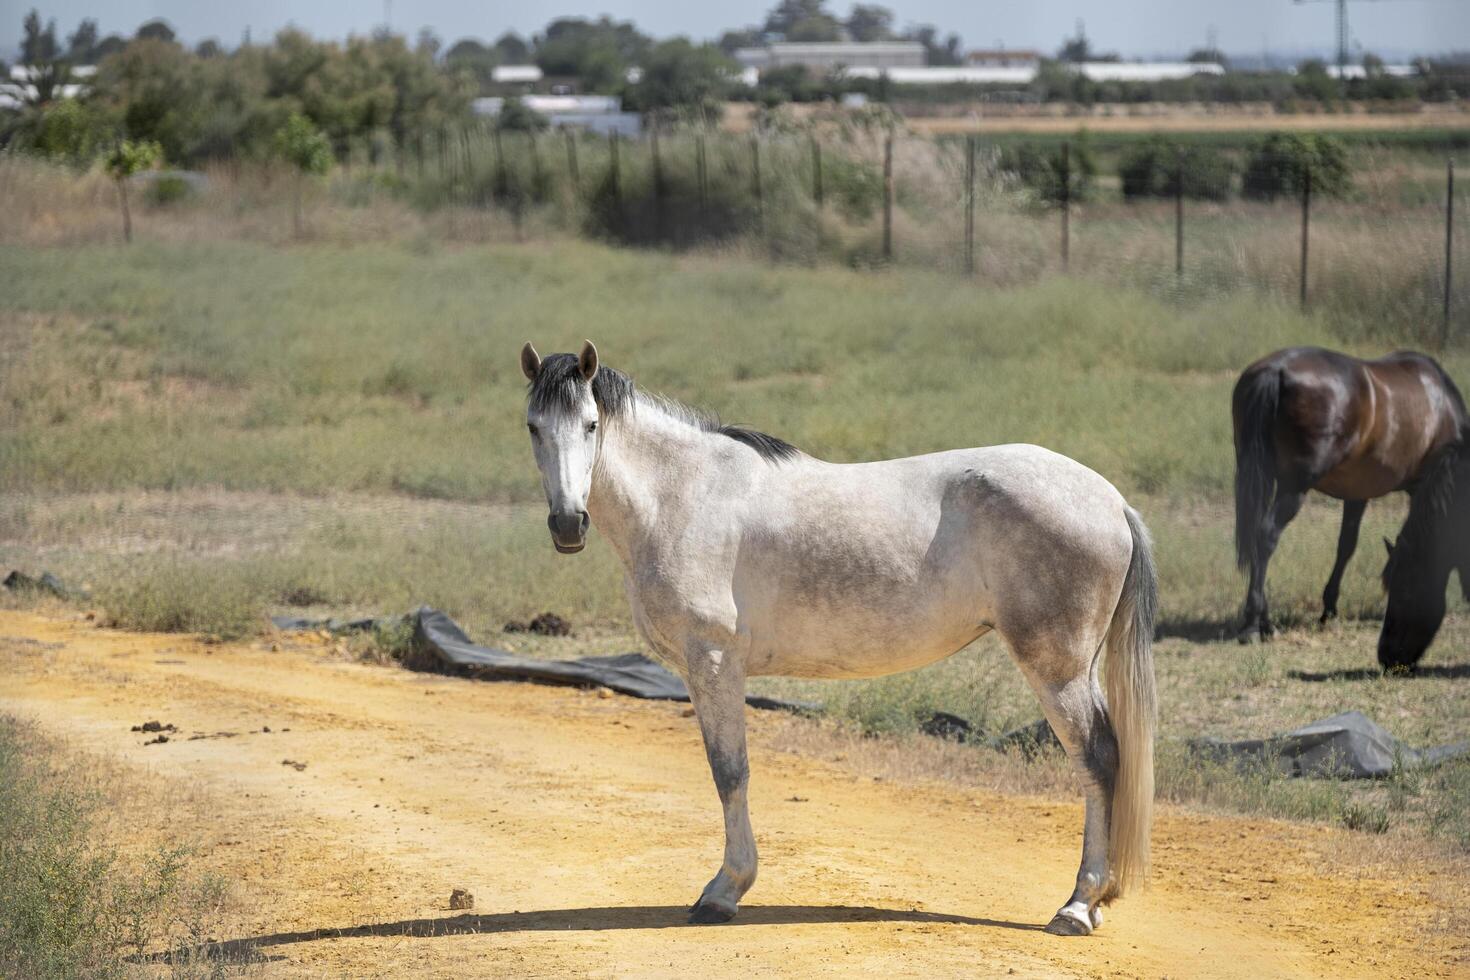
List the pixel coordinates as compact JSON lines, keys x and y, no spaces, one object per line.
{"x":584,"y":826}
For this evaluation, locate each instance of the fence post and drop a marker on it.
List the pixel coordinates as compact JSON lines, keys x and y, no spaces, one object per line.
{"x":817,"y":189}
{"x":537,"y":174}
{"x":970,"y":205}
{"x":1449,"y":245}
{"x":572,"y":162}
{"x":612,"y":167}
{"x":888,"y":198}
{"x":755,"y":178}
{"x":1066,"y":205}
{"x":658,"y":186}
{"x":700,"y":170}
{"x":1179,"y":214}
{"x":1306,"y":226}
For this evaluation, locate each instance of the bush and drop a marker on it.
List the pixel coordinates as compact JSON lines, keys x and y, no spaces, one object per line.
{"x":1046,"y":173}
{"x":516,"y":117}
{"x":167,"y":189}
{"x":637,"y":213}
{"x":1154,"y":170}
{"x":1279,"y":164}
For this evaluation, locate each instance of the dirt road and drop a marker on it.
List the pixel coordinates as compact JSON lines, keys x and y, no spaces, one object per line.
{"x":585,"y":825}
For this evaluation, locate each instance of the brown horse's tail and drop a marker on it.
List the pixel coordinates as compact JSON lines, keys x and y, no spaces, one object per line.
{"x":1254,"y":404}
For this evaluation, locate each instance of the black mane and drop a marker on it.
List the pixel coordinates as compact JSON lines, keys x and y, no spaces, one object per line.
{"x":1433,"y":511}
{"x":559,"y":384}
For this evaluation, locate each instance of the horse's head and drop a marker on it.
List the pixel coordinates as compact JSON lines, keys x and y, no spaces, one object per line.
{"x":562,"y":416}
{"x":1415,"y":577}
{"x":1432,"y":543}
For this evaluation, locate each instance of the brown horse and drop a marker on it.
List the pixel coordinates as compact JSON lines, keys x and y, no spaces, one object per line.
{"x":1313,"y":419}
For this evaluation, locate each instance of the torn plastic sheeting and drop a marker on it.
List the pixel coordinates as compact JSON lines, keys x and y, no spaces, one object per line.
{"x":1346,"y":746}
{"x":627,"y":673}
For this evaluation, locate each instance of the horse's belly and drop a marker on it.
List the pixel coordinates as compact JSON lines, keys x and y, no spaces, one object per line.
{"x":835,"y":643}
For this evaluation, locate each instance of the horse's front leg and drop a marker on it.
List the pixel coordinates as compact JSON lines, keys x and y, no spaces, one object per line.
{"x":717,"y":688}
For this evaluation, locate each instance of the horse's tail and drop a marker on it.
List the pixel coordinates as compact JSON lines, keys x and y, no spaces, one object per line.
{"x":1254,"y":404}
{"x":1132,"y":708}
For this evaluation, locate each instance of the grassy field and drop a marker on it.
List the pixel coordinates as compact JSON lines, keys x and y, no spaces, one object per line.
{"x":213,"y":425}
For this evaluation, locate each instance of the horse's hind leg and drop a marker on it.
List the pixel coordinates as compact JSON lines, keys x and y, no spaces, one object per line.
{"x":1077,"y":713}
{"x":1257,"y":615}
{"x":717,"y":689}
{"x":1347,"y":543}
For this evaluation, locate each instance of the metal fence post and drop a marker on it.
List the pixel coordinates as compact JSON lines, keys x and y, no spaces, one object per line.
{"x":970,"y":205}
{"x":1449,"y":245}
{"x":1306,"y":226}
{"x":572,"y":162}
{"x":888,"y":198}
{"x":658,"y":186}
{"x":613,"y":170}
{"x":1066,"y":205}
{"x":817,"y":189}
{"x":1179,"y":214}
{"x":701,"y":169}
{"x":755,"y":182}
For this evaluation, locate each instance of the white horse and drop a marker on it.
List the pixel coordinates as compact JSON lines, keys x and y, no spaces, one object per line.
{"x":743,"y":556}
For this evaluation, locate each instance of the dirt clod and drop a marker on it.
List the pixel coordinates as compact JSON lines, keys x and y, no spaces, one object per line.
{"x":159,"y":740}
{"x":546,"y":624}
{"x":298,"y":766}
{"x":154,"y":726}
{"x":461,"y":899}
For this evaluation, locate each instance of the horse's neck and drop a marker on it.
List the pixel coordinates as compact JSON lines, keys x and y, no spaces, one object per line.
{"x":644,"y":468}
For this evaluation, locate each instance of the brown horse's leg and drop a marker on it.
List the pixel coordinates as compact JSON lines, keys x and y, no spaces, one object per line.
{"x":1257,"y":616}
{"x":1347,"y":543}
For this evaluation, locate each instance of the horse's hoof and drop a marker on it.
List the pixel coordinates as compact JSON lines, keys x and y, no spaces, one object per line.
{"x":1064,"y":923}
{"x":709,"y":914}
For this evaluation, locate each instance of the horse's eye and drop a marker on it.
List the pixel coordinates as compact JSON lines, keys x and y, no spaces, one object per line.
{"x":532,"y":429}
{"x":591,"y":427}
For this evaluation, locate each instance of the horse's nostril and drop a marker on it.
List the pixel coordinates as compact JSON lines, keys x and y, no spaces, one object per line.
{"x":568,"y":528}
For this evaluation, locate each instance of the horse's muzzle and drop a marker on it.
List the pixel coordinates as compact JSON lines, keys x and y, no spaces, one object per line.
{"x":569,"y":531}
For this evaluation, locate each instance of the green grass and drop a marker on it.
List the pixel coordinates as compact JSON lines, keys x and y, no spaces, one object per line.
{"x":204,"y":433}
{"x":71,"y":905}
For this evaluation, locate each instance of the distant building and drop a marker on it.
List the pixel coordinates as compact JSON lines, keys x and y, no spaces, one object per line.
{"x":825,"y":56}
{"x":1145,"y":71}
{"x":21,"y":90}
{"x":515,"y":74}
{"x":1004,"y":58}
{"x":1358,"y":71}
{"x":948,"y":75}
{"x":601,"y":114}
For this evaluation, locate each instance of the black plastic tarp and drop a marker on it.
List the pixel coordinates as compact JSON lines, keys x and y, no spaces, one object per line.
{"x":627,"y":673}
{"x":1345,"y":746}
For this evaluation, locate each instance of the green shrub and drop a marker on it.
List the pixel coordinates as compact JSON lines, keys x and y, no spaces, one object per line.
{"x":633,"y":212}
{"x":1155,"y":169}
{"x":1279,"y":164}
{"x":1052,"y":173}
{"x":167,"y":189}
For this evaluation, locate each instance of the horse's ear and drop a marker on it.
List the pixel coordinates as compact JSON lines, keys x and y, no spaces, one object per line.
{"x":530,"y":362}
{"x":1388,"y":547}
{"x":587,"y":361}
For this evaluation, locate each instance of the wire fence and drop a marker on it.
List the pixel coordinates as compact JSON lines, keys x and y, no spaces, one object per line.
{"x":1365,"y":234}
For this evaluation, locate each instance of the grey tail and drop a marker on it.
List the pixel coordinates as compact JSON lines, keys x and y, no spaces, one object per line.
{"x":1254,"y":406}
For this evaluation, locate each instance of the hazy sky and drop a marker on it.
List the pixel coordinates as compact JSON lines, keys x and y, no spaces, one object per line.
{"x":1133,"y":27}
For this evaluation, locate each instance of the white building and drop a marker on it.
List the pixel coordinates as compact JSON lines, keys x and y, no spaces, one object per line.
{"x":825,"y":56}
{"x":1144,"y":71}
{"x":21,"y":89}
{"x":948,"y":75}
{"x":601,"y":114}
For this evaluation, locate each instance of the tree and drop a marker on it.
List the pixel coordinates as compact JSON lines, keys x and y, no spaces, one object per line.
{"x":516,"y":117}
{"x":428,"y":43}
{"x":156,"y":30}
{"x":81,"y":44}
{"x":936,"y":53}
{"x":597,"y":52}
{"x":511,"y":49}
{"x":309,"y":153}
{"x":787,"y":15}
{"x":208,"y":48}
{"x":39,"y":44}
{"x":1206,"y":56}
{"x":109,"y":45}
{"x":1076,"y":49}
{"x":469,"y":55}
{"x":678,"y":74}
{"x":125,"y":160}
{"x":870,"y":22}
{"x":746,"y":37}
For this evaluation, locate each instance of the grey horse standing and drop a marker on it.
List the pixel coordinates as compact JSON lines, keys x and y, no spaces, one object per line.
{"x":744,"y":556}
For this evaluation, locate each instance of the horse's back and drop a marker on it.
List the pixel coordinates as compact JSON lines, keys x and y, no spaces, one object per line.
{"x":1351,"y":428}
